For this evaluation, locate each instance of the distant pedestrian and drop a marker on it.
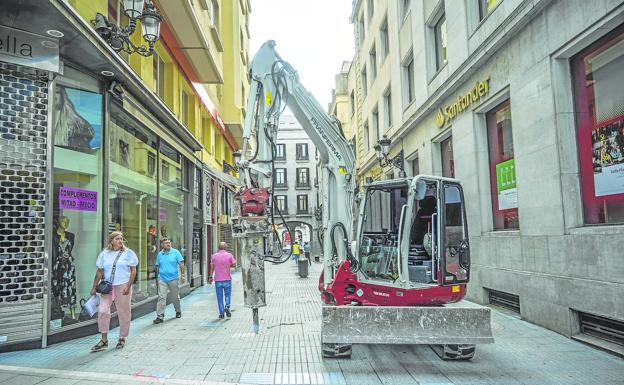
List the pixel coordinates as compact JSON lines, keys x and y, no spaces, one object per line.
{"x":116,"y":264}
{"x":220,"y":264}
{"x":306,"y":250}
{"x":170,"y":273}
{"x":296,"y":251}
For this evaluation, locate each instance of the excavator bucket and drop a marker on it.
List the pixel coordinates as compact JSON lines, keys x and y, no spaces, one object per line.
{"x":462,"y":323}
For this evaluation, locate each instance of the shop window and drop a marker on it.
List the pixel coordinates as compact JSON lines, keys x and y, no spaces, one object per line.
{"x":133,"y":205}
{"x":302,"y":204}
{"x":280,"y":151}
{"x":448,"y":164}
{"x":502,"y":168}
{"x":599,"y":80}
{"x":77,"y":194}
{"x":173,"y":199}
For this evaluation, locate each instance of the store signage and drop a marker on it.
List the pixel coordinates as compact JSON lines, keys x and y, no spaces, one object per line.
{"x":506,"y":185}
{"x":77,"y":199}
{"x":28,"y":49}
{"x":448,"y":113}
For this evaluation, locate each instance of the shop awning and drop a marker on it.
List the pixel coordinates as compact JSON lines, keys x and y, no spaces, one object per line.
{"x":83,"y":46}
{"x":223,"y":177}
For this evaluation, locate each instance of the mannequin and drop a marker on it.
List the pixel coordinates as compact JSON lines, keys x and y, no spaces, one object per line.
{"x":63,"y":267}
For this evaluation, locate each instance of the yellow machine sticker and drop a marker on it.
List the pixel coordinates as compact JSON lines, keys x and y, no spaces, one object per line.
{"x":269,"y":98}
{"x":342,"y":170}
{"x":455,"y":288}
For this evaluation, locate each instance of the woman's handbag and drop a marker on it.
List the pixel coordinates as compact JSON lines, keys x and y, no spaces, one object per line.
{"x":105,"y":287}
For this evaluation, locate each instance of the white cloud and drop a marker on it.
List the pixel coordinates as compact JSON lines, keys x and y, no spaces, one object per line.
{"x":314,"y":36}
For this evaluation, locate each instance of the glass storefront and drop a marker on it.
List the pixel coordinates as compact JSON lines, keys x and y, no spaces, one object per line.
{"x":77,"y":194}
{"x":133,"y":205}
{"x":599,"y":79}
{"x":173,"y":198}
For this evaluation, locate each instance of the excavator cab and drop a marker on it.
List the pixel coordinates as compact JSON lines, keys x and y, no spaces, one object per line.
{"x":412,"y":235}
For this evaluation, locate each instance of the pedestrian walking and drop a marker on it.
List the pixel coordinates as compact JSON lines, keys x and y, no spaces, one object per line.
{"x":306,"y":251}
{"x":296,"y":251}
{"x":170,"y":273}
{"x":220,"y":264}
{"x":116,"y":270}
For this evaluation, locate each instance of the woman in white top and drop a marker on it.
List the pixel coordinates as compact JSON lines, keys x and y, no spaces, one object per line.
{"x":125,"y":272}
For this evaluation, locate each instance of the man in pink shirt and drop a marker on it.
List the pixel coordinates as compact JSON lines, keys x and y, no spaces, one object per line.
{"x":220,"y":264}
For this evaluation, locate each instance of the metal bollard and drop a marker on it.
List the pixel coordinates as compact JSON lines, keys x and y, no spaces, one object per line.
{"x":302,"y":267}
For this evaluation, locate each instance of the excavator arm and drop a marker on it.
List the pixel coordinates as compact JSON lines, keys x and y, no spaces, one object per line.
{"x":274,"y":86}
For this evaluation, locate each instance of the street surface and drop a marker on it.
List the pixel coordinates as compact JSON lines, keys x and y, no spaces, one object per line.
{"x":201,"y":349}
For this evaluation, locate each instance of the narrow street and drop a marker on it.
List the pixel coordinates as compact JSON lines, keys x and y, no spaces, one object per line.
{"x":201,"y":349}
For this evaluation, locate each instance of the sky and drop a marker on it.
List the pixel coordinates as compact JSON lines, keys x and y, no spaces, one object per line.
{"x":314,"y":36}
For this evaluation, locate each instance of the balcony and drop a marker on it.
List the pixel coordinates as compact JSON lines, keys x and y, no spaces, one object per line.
{"x":190,"y":25}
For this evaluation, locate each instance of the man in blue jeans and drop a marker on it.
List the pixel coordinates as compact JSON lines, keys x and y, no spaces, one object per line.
{"x":220,"y":264}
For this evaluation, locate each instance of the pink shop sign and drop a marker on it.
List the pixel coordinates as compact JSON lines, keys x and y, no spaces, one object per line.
{"x":77,"y":199}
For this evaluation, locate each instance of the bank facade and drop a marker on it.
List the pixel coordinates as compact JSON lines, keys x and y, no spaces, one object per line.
{"x":518,"y":100}
{"x":92,"y":141}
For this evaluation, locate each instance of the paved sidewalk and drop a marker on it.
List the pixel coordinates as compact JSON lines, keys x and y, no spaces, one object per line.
{"x":201,"y":349}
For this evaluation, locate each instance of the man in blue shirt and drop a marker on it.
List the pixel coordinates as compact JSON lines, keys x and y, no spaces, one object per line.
{"x":170,"y":272}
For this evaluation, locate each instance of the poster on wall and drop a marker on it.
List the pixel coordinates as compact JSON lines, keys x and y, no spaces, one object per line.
{"x":506,"y":185}
{"x":77,"y":119}
{"x":608,"y":157}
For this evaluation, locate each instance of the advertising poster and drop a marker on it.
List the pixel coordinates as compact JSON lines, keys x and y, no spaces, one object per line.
{"x":506,"y":185}
{"x":77,"y":199}
{"x":78,"y":119}
{"x":608,"y":157}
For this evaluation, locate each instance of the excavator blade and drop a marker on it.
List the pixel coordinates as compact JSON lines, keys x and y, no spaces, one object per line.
{"x":462,"y":323}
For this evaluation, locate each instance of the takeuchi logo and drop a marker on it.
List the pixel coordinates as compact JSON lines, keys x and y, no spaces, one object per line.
{"x":449,"y":112}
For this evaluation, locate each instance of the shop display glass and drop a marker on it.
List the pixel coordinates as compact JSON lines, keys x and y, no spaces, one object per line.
{"x":77,"y":195}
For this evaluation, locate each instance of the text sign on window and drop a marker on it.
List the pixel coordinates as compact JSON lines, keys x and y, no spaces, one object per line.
{"x":77,"y":199}
{"x":506,"y":185}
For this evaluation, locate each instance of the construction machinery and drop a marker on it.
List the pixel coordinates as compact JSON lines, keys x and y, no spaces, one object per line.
{"x":395,"y":275}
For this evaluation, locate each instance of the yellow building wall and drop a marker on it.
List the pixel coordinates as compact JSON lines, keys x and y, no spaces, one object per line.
{"x":199,"y":122}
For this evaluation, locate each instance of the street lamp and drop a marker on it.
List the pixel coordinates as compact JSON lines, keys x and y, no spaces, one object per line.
{"x":119,"y":39}
{"x":382,"y":149}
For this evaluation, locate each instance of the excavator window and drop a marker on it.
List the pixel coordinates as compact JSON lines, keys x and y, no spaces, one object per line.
{"x":378,"y":246}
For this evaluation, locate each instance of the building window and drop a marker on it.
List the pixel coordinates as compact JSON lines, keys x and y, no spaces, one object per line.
{"x":159,"y":76}
{"x":352,"y":101}
{"x":281,"y":203}
{"x":598,"y":82}
{"x":364,"y":83}
{"x":404,"y":8}
{"x":302,"y":151}
{"x":384,"y":40}
{"x":388,"y":107}
{"x":366,"y":138}
{"x":280,"y":151}
{"x":184,"y":108}
{"x":375,"y":124}
{"x":502,"y":168}
{"x":207,"y":139}
{"x":408,"y":79}
{"x":303,"y":177}
{"x":446,"y":151}
{"x":361,"y":29}
{"x":371,"y":9}
{"x":302,"y":204}
{"x":415,"y":166}
{"x":485,"y":7}
{"x":215,"y":15}
{"x":441,"y":42}
{"x":373,"y":63}
{"x":280,"y":177}
{"x":164,"y":174}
